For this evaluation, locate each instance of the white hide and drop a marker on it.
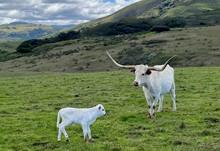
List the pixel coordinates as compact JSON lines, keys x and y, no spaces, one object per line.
{"x":156,"y":82}
{"x":82,"y":116}
{"x":155,"y":85}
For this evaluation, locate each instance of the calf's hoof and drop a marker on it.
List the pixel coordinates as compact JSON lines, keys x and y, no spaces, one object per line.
{"x":67,"y":139}
{"x":91,"y":140}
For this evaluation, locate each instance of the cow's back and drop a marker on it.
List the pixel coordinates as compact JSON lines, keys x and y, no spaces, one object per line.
{"x":166,"y":79}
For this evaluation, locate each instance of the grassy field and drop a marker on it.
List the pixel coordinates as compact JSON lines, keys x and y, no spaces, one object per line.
{"x":29,"y":103}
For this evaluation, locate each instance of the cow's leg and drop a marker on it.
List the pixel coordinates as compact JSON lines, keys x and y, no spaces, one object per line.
{"x":154,"y":106}
{"x":150,"y":108}
{"x":161,"y":103}
{"x":62,"y":129}
{"x":148,"y":103}
{"x":173,"y":96}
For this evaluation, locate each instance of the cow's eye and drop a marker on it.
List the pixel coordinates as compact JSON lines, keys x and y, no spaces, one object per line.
{"x":143,"y":74}
{"x":103,"y":109}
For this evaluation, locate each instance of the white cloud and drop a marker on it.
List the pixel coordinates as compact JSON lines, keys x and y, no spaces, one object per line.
{"x":5,"y":20}
{"x":14,"y":14}
{"x":58,"y":11}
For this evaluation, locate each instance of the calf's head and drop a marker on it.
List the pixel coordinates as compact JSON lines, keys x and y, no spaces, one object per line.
{"x":100,"y":110}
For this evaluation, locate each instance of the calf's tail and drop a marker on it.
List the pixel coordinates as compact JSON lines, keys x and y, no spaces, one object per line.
{"x":58,"y":119}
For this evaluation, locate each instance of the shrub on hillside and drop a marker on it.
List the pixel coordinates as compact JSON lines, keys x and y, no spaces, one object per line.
{"x":175,"y":23}
{"x":124,"y":26}
{"x":135,"y":55}
{"x":159,"y":28}
{"x":29,"y":45}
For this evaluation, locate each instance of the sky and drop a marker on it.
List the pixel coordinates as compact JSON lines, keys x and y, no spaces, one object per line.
{"x":58,"y":12}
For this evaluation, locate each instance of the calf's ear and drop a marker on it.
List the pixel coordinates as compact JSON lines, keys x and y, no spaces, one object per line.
{"x":148,"y":72}
{"x":99,"y":107}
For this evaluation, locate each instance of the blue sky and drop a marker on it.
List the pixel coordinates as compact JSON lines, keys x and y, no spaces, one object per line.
{"x":58,"y":12}
{"x":108,"y":0}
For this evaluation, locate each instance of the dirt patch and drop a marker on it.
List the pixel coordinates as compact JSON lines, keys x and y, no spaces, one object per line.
{"x":211,"y":120}
{"x":40,"y":144}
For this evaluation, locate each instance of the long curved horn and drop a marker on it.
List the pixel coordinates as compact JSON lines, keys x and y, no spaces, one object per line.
{"x":121,"y":66}
{"x":161,"y":68}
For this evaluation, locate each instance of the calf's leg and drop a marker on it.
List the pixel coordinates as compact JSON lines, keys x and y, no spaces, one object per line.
{"x":89,"y":133}
{"x":62,"y":129}
{"x":85,"y":131}
{"x":59,"y":135}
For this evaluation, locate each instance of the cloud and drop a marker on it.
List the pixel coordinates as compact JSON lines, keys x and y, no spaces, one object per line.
{"x":5,"y":20}
{"x":58,"y":11}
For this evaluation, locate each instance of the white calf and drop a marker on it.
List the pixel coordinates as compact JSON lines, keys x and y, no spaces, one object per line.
{"x":83,"y":116}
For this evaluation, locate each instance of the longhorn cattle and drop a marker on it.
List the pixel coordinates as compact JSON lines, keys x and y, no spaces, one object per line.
{"x":155,"y":81}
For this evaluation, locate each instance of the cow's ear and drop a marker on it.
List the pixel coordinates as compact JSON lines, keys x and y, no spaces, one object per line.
{"x":133,"y":71}
{"x":148,"y":72}
{"x":99,"y":107}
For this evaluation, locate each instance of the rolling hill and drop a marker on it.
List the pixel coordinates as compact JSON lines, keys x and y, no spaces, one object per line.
{"x":24,"y":31}
{"x":193,"y":47}
{"x":163,"y":9}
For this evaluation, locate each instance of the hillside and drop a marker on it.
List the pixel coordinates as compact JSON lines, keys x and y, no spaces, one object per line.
{"x":163,"y":9}
{"x":24,"y":31}
{"x":134,"y":10}
{"x":143,"y":16}
{"x":193,"y":47}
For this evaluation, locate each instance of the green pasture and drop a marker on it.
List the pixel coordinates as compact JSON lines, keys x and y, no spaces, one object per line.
{"x":29,"y":103}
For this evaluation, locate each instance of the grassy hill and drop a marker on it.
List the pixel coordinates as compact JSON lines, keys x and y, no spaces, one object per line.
{"x":134,"y":10}
{"x":193,"y":47}
{"x":30,"y":102}
{"x":162,"y":9}
{"x":24,"y":31}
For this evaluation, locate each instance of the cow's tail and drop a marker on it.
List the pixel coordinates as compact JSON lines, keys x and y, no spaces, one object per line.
{"x":58,"y":119}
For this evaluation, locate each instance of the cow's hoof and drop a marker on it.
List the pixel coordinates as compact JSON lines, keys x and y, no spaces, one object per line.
{"x":149,"y":115}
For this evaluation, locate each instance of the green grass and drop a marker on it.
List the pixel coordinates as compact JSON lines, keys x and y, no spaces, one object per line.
{"x":29,"y":103}
{"x":9,"y":46}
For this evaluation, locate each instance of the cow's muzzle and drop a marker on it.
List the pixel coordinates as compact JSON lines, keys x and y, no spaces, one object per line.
{"x":135,"y":83}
